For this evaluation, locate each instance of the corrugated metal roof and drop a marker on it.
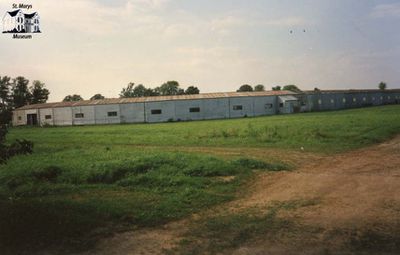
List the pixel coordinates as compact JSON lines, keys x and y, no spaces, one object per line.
{"x":288,"y":98}
{"x":347,"y":91}
{"x":155,"y":99}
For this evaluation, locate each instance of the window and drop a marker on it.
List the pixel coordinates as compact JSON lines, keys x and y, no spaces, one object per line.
{"x":19,"y":118}
{"x":388,"y":97}
{"x":319,"y":101}
{"x":381,"y":98}
{"x":79,"y":115}
{"x":47,"y":117}
{"x":332,"y":101}
{"x":269,"y":106}
{"x":354,"y":99}
{"x":112,"y":114}
{"x":194,"y":109}
{"x":281,"y":105}
{"x":156,"y":111}
{"x":238,"y":107}
{"x":373,"y":98}
{"x":364,"y":99}
{"x":344,"y":100}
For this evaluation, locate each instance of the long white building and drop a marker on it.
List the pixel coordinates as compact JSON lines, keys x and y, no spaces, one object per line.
{"x":196,"y":107}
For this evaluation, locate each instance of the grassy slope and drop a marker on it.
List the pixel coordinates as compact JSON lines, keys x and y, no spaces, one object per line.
{"x":84,"y":181}
{"x":326,"y":131}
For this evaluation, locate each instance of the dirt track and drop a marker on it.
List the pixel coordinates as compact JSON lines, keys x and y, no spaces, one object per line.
{"x":358,"y":193}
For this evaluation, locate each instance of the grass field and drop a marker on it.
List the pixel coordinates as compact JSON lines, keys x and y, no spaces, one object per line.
{"x":82,"y":183}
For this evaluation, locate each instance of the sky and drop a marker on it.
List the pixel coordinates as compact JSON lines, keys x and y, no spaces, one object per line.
{"x":98,"y":46}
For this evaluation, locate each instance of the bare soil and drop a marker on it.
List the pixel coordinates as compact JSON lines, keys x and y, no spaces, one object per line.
{"x":358,"y":202}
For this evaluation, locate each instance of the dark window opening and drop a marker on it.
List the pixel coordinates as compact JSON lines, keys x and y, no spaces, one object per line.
{"x":47,"y":117}
{"x":157,"y":111}
{"x":238,"y":107}
{"x":79,"y":115}
{"x":19,"y":118}
{"x":281,"y":105}
{"x":112,"y":114}
{"x":194,"y":109}
{"x":269,"y":106}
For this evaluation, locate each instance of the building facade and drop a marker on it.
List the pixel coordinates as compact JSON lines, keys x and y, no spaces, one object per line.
{"x":197,"y":107}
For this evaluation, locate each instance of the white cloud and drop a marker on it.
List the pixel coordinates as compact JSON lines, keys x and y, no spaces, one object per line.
{"x":386,"y":10}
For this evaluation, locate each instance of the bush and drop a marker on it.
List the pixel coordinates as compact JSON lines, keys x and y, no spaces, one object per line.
{"x":48,"y":174}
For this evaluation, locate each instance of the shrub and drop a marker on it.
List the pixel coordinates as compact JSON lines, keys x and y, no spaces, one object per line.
{"x":48,"y":174}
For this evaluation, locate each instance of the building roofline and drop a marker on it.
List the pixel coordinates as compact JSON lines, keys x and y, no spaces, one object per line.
{"x":155,"y":99}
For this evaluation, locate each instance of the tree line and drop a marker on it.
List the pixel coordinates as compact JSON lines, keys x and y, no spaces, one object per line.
{"x":132,"y":90}
{"x":17,"y":92}
{"x":14,"y":93}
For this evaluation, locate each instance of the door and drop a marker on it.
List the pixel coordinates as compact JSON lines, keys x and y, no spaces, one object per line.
{"x":32,"y":119}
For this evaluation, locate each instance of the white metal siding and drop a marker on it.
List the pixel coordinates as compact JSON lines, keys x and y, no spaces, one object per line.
{"x":62,"y":116}
{"x":132,"y":113}
{"x":101,"y":114}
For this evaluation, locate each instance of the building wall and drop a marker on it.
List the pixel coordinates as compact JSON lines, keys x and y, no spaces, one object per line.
{"x":62,"y":116}
{"x":167,"y":111}
{"x":213,"y":108}
{"x":132,"y":113}
{"x":88,"y":115}
{"x":216,"y":108}
{"x":182,"y":110}
{"x":42,"y":116}
{"x":247,"y":105}
{"x":265,"y":105}
{"x":102,"y":114}
{"x":19,"y":118}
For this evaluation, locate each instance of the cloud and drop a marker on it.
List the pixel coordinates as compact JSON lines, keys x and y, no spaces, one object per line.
{"x":386,"y":10}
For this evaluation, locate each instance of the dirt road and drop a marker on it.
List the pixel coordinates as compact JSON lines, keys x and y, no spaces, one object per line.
{"x":358,"y":203}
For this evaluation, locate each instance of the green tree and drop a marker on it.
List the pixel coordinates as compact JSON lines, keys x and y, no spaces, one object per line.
{"x":382,"y":85}
{"x":192,"y":90}
{"x":97,"y":97}
{"x":128,"y":91}
{"x":259,"y":87}
{"x":5,"y":85}
{"x":20,"y":92}
{"x":292,"y":88}
{"x":245,"y":88}
{"x":276,"y":88}
{"x":170,"y":88}
{"x":38,"y":93}
{"x":72,"y":98}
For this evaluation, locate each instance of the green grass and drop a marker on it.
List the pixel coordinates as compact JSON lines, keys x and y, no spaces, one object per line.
{"x":71,"y":196}
{"x":82,"y":183}
{"x":226,"y":231}
{"x":320,"y":132}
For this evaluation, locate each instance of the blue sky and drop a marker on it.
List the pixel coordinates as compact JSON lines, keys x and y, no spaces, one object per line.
{"x":90,"y":47}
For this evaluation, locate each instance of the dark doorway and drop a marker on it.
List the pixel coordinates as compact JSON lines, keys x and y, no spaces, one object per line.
{"x":32,"y":119}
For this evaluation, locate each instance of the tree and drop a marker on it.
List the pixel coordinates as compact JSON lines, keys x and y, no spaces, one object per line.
{"x":170,"y":88}
{"x":20,"y":92}
{"x":192,"y":90}
{"x":292,"y":88}
{"x":276,"y":88}
{"x":382,"y":85}
{"x":97,"y":97}
{"x":17,"y":147}
{"x":128,"y":91}
{"x":38,"y":93}
{"x":259,"y":87}
{"x":5,"y":90}
{"x":72,"y":98}
{"x":245,"y":88}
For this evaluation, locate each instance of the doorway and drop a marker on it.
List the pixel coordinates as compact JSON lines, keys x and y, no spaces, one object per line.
{"x":32,"y":119}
